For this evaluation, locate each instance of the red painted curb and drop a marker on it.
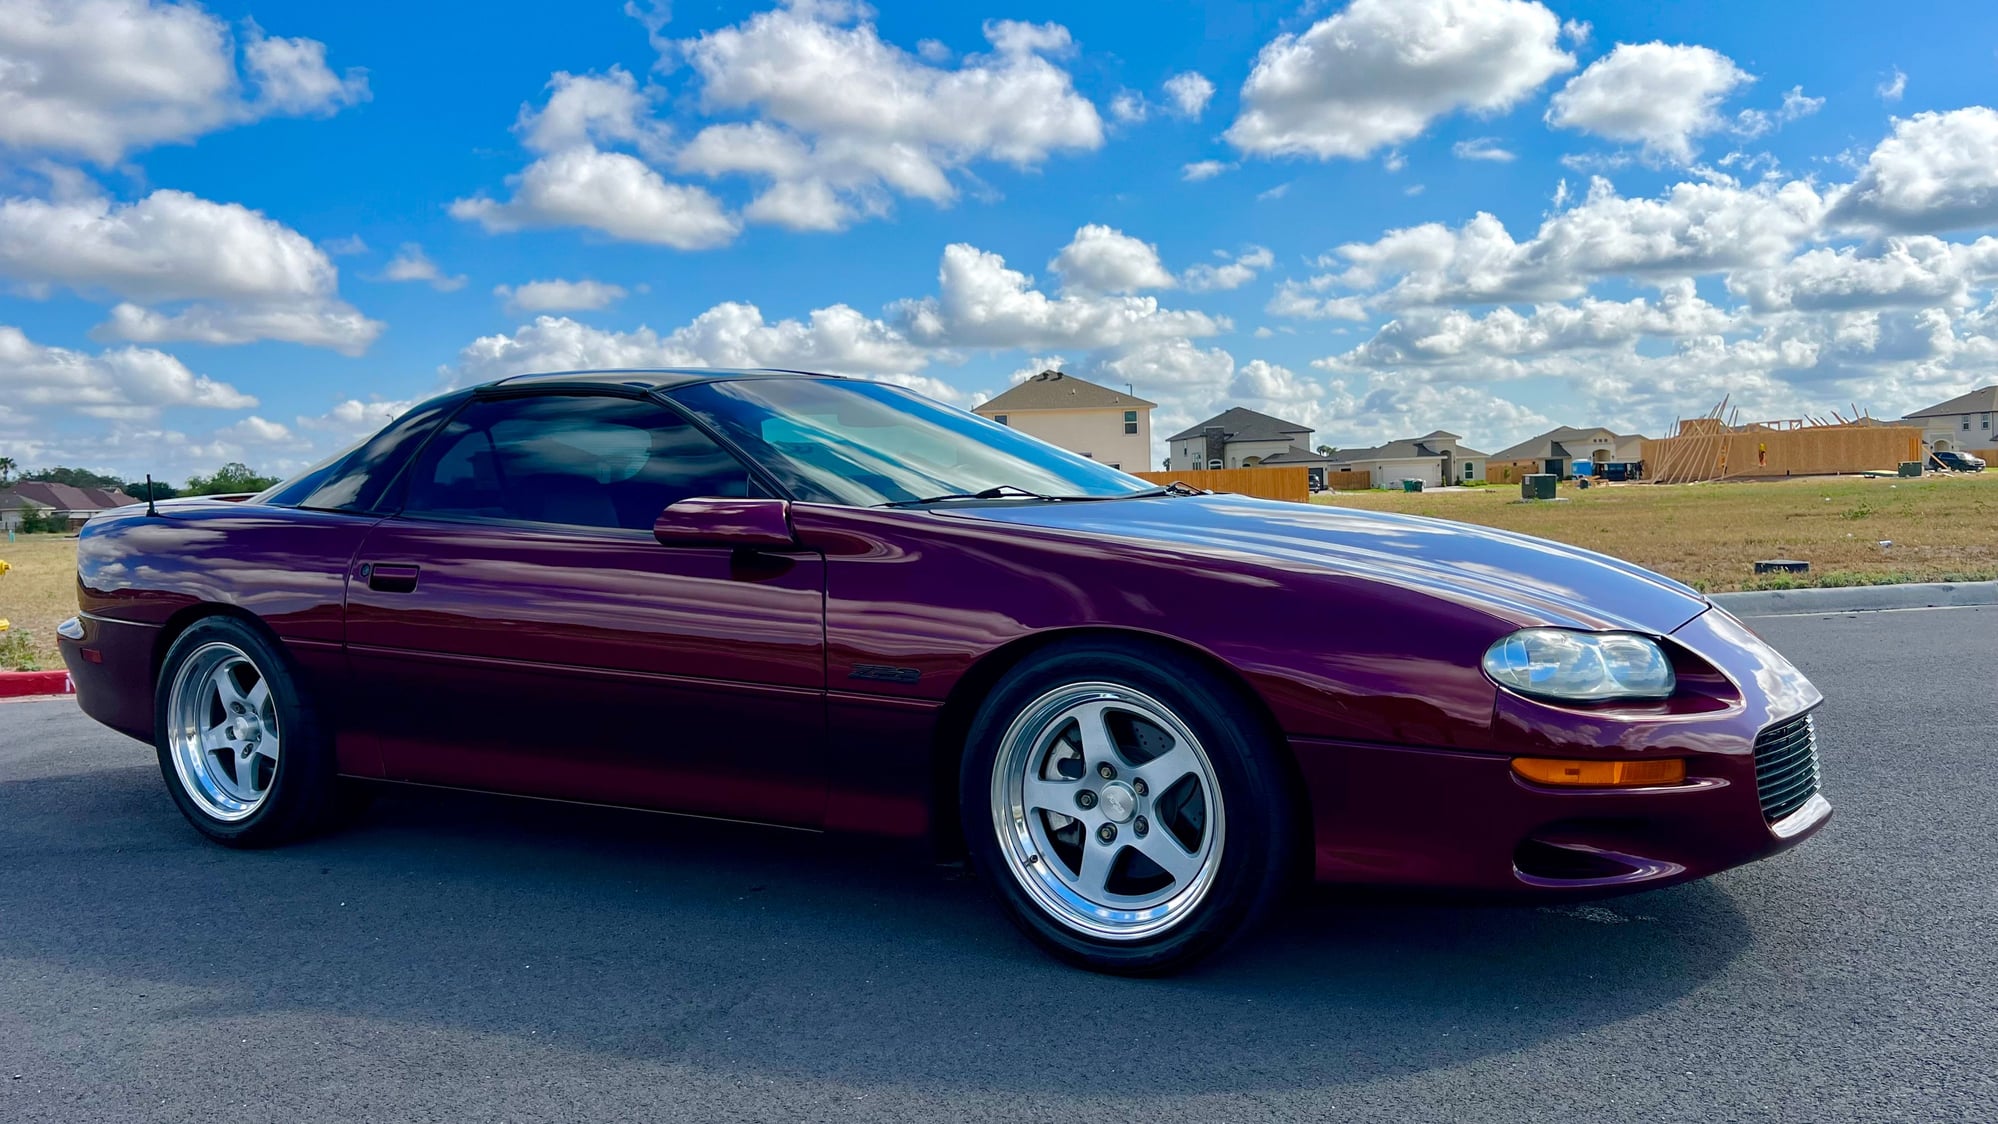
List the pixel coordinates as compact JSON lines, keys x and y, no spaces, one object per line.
{"x":21,"y":684}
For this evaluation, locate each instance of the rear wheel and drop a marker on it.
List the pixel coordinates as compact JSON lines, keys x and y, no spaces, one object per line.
{"x":241,"y":749}
{"x":1126,"y":806}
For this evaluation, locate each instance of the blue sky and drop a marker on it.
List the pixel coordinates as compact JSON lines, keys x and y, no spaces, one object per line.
{"x":249,"y":231}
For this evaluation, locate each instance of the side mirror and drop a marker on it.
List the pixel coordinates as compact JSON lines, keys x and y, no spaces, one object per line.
{"x":717,"y":521}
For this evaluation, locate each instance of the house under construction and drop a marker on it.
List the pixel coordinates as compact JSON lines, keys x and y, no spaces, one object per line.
{"x":1719,"y":447}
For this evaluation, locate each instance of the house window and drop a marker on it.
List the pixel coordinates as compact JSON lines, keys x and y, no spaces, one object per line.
{"x":1966,"y":425}
{"x":1470,"y":469}
{"x":1215,"y":463}
{"x":1130,"y":421}
{"x":1987,"y":421}
{"x":1001,"y":419}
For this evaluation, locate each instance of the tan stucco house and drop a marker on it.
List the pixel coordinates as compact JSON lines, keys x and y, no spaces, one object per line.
{"x":1111,"y":426}
{"x":1436,"y":459}
{"x":1238,"y":437}
{"x":1558,"y":450}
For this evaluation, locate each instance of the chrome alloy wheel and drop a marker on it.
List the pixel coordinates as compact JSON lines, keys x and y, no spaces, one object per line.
{"x":1107,"y":811}
{"x":222,"y":729}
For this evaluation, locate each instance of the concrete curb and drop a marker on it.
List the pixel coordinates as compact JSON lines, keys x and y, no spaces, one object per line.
{"x":23,"y":684}
{"x":1858,"y":598}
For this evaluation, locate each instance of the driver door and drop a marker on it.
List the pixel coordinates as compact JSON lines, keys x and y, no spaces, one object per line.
{"x":516,"y":627}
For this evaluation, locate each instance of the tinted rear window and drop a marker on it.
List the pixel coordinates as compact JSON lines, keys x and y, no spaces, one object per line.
{"x":357,"y":483}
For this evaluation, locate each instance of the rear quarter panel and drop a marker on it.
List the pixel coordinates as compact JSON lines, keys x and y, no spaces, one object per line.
{"x":141,"y":577}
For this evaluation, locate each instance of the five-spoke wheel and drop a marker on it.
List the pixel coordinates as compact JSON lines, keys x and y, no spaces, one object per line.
{"x":1109,"y":810}
{"x":224,"y":730}
{"x":239,"y":743}
{"x":1126,"y":803}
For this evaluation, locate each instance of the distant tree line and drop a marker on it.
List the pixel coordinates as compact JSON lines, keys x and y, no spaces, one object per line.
{"x":232,"y":477}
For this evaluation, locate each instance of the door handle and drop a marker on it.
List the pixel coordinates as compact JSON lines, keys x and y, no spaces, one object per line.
{"x":391,"y":577}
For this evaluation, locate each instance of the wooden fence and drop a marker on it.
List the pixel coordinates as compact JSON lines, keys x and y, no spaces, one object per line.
{"x":1349,"y":479}
{"x":1754,"y":452}
{"x":1287,"y":482}
{"x":1509,"y":472}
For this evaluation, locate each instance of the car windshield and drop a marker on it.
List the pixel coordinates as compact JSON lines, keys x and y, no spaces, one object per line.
{"x":867,"y":443}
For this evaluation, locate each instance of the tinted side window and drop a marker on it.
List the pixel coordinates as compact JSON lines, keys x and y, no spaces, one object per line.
{"x":576,"y":460}
{"x":357,"y":483}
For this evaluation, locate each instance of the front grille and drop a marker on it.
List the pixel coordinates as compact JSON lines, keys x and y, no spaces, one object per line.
{"x":1786,"y":766}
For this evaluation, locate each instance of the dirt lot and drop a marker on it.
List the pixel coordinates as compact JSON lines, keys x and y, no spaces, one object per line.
{"x":1709,"y":535}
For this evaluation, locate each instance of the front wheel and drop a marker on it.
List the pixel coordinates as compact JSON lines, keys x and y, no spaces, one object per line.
{"x":240,"y":746}
{"x":1126,"y":805}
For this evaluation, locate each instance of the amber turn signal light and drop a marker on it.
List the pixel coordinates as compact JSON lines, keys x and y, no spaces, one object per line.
{"x":1601,"y":774}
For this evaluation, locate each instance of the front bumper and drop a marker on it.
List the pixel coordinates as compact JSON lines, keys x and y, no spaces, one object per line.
{"x":1443,"y":819}
{"x":1463,"y":820}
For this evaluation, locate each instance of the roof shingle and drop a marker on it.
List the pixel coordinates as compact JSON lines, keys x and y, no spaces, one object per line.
{"x":1243,"y":424}
{"x":1055,"y":390}
{"x":65,"y":497}
{"x":1983,"y":400}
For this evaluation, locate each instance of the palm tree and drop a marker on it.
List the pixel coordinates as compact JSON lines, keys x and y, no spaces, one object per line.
{"x":7,"y":467}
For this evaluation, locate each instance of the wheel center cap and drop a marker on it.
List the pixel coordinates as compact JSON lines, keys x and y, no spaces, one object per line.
{"x":1119,"y":802}
{"x":243,"y":728}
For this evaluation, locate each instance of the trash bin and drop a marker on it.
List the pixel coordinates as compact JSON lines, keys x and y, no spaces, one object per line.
{"x":1537,"y":486}
{"x":1411,"y":485}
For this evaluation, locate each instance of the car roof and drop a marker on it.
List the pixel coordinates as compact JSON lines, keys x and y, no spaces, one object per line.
{"x":642,"y":378}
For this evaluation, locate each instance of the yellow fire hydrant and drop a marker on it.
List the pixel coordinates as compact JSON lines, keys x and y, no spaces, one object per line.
{"x":3,"y":620}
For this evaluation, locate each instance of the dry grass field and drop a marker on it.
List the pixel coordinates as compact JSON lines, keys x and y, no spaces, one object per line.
{"x":1707,"y":535}
{"x":35,"y":595}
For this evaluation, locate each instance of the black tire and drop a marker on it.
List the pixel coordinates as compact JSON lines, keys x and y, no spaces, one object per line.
{"x":1253,"y":867}
{"x":302,"y":796}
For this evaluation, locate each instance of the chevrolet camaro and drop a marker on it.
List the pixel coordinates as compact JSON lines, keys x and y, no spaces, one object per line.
{"x":1141,"y":712}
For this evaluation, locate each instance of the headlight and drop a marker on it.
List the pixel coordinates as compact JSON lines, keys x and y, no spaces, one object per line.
{"x":1581,"y":666}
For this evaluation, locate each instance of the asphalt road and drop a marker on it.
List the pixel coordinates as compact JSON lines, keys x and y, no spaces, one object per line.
{"x":460,"y":958}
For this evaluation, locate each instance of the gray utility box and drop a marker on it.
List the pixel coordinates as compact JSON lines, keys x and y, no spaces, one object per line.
{"x":1911,"y":468}
{"x":1537,"y":486}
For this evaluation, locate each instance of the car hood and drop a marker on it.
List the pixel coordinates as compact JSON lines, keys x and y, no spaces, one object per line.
{"x":1528,"y":581}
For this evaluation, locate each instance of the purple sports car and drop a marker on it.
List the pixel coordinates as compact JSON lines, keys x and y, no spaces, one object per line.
{"x":832,"y":604}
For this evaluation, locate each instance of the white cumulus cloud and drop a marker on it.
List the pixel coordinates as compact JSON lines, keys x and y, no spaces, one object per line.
{"x":980,"y":303}
{"x":613,"y":193}
{"x":125,"y":382}
{"x":559,"y":296}
{"x":1232,"y":272}
{"x":1103,"y":260}
{"x":1189,"y":93}
{"x":836,"y":339}
{"x":259,"y":279}
{"x":1376,"y":73}
{"x":1936,"y":172}
{"x":412,"y":264}
{"x":848,"y":120}
{"x":97,"y":79}
{"x":1658,"y":95}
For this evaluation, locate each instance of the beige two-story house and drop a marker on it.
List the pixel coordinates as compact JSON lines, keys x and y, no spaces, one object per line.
{"x":1112,"y":426}
{"x":1960,"y":424}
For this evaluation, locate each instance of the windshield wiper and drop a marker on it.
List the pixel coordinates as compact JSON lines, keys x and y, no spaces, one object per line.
{"x":998,"y":492}
{"x":1176,"y":488}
